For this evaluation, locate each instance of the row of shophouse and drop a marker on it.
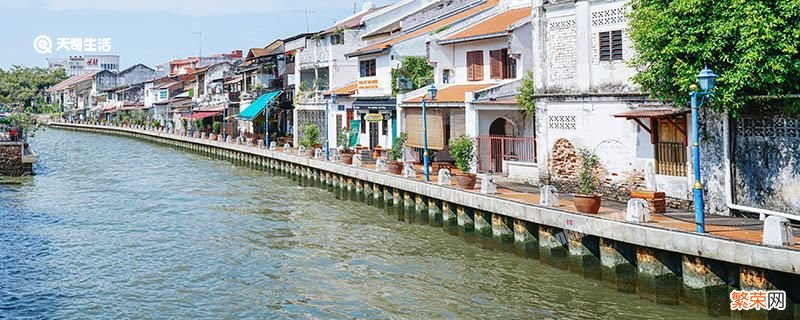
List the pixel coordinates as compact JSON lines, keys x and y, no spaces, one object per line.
{"x":480,"y":51}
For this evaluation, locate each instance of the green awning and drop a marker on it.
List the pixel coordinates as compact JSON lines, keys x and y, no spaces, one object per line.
{"x":259,"y":105}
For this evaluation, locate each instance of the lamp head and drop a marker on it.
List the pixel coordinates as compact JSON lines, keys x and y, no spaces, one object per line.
{"x":333,"y":98}
{"x":707,"y":79}
{"x":432,"y":92}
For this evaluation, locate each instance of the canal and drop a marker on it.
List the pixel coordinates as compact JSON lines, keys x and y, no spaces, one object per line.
{"x":113,"y":227}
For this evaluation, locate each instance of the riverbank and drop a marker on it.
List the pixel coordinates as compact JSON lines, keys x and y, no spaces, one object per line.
{"x":666,"y":265}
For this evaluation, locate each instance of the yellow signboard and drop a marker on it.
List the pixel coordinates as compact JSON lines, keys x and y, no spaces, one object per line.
{"x":373,"y":117}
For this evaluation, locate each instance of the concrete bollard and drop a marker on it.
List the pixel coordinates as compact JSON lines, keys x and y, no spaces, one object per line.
{"x":777,"y":232}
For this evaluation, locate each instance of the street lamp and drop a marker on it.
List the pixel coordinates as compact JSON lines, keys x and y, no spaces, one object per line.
{"x":191,"y":119}
{"x":707,"y":80}
{"x":327,"y":128}
{"x":425,"y":158}
{"x":224,"y":116}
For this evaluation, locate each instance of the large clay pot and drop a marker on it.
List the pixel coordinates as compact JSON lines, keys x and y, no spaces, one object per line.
{"x":347,"y":158}
{"x":395,"y":167}
{"x":310,"y":152}
{"x":587,"y":203}
{"x":466,"y":181}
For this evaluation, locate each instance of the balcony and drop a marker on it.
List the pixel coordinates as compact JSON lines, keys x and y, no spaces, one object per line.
{"x":234,"y":96}
{"x":309,"y":59}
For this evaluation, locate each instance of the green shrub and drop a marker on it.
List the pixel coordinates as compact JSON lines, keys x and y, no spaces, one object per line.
{"x":587,"y":176}
{"x":311,"y":136}
{"x":396,"y":152}
{"x":462,"y":148}
{"x":216,"y":125}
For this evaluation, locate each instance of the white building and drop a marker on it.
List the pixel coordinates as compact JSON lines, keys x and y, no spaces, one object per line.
{"x":585,"y":99}
{"x":408,"y":37}
{"x":478,"y":64}
{"x":321,"y":65}
{"x":76,"y":65}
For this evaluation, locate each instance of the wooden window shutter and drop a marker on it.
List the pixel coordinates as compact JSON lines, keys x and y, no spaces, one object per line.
{"x":478,"y":65}
{"x":496,"y":64}
{"x":470,"y":67}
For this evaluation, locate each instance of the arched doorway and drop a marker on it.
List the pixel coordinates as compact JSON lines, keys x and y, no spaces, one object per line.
{"x":498,"y":147}
{"x":501,"y":127}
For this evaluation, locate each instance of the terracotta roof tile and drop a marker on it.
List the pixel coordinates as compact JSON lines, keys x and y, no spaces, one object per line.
{"x":345,"y":90}
{"x":431,"y":27}
{"x":454,"y":93}
{"x":497,"y":24}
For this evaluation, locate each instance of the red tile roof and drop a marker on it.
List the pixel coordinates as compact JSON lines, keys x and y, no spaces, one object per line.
{"x":427,"y":29}
{"x":345,"y":90}
{"x":498,"y":24}
{"x":453,"y":94}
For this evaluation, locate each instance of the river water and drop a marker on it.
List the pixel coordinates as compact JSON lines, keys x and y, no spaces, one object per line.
{"x":113,"y":227}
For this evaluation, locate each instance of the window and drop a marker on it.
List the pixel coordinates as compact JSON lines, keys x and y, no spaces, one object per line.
{"x":363,"y":123}
{"x":446,"y":76}
{"x":337,"y":39}
{"x":475,"y":66}
{"x":385,"y":126}
{"x":611,"y":45}
{"x":162,"y":94}
{"x":670,"y":146}
{"x":367,"y":68}
{"x":501,"y":65}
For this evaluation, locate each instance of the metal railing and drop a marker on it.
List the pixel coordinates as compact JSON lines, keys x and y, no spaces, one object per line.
{"x":494,"y":149}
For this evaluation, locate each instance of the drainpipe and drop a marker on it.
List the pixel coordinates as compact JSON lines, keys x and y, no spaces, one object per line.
{"x":763,"y":213}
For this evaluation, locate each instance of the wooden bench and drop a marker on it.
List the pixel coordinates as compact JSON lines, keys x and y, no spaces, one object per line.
{"x":656,"y":200}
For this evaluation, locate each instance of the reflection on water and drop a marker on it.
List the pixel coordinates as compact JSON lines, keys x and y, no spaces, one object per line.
{"x":114,"y":227}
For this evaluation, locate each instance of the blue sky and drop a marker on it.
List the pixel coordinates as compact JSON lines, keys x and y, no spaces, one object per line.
{"x":154,"y":31}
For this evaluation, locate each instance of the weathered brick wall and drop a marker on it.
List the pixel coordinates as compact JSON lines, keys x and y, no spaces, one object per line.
{"x":11,"y":161}
{"x":564,"y":165}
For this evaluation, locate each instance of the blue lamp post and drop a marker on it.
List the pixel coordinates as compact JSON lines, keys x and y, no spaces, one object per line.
{"x":327,"y":126}
{"x":425,"y":158}
{"x":707,"y":80}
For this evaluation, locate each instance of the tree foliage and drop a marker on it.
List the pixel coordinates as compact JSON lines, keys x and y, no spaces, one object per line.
{"x":24,"y":87}
{"x":525,"y":94}
{"x":414,"y":69}
{"x":751,"y":44}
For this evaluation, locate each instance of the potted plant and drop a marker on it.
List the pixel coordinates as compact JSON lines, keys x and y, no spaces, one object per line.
{"x":586,"y":200}
{"x":462,"y":148}
{"x":311,"y":138}
{"x":344,"y":143}
{"x":394,"y":163}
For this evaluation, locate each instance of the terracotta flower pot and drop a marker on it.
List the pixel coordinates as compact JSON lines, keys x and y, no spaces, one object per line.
{"x":394,"y":167}
{"x":466,"y":181}
{"x":347,"y":158}
{"x":587,"y":203}
{"x":310,"y":152}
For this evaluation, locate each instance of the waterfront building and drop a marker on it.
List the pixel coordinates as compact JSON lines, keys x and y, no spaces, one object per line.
{"x":478,"y":64}
{"x":321,"y":65}
{"x":375,"y":94}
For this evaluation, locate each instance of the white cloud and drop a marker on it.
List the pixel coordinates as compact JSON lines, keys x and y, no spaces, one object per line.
{"x":185,"y":7}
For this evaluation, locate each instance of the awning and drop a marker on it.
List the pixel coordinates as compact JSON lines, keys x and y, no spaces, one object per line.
{"x":651,"y":113}
{"x":375,"y":104}
{"x":259,"y":105}
{"x":202,"y":115}
{"x":656,"y":115}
